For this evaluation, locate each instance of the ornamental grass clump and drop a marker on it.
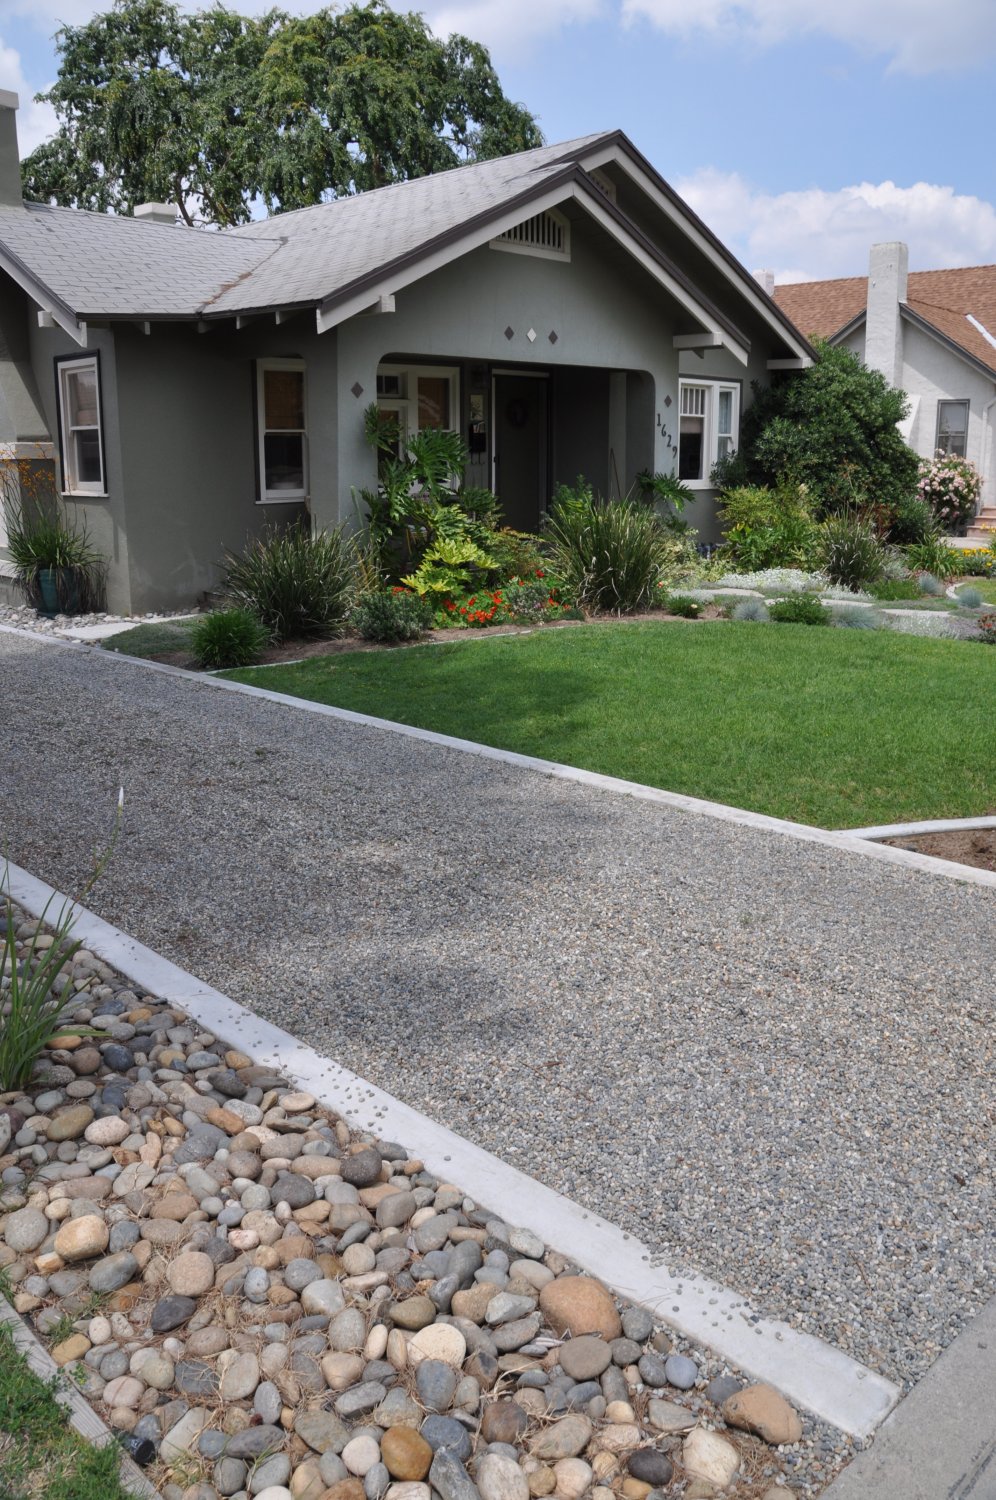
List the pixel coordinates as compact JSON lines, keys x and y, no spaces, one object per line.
{"x":750,"y":611}
{"x":850,"y":551}
{"x":229,"y":638}
{"x":607,"y":554}
{"x":853,"y":617}
{"x":299,"y":583}
{"x":970,"y":598}
{"x":33,"y":981}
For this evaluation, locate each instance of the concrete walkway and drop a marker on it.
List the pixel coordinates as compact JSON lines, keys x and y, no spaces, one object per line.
{"x":771,"y":1060}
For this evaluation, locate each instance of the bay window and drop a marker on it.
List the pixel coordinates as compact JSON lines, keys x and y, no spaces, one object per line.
{"x":282,"y":431}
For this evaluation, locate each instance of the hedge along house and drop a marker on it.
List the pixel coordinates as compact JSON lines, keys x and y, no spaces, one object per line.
{"x":562,"y":308}
{"x":930,"y":333}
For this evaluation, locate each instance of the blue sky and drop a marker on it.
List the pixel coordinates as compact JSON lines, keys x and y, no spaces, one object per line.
{"x":802,"y":132}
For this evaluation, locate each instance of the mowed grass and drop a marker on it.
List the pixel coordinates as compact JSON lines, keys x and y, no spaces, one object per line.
{"x":41,"y":1456}
{"x":156,"y":638}
{"x":835,"y":728}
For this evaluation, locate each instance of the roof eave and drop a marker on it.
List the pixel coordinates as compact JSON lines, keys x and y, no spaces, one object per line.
{"x":919,"y":321}
{"x":51,"y":306}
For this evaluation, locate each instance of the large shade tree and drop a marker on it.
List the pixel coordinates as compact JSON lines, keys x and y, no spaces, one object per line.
{"x":215,"y":111}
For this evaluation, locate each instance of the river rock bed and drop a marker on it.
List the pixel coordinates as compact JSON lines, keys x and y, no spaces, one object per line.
{"x":273,"y":1305}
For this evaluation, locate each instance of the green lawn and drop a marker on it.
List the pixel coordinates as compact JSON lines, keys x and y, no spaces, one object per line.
{"x":41,"y":1456}
{"x":837,"y":728}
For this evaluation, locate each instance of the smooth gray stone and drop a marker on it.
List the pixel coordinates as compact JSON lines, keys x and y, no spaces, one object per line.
{"x":124,"y":1234}
{"x":212,"y":1443}
{"x":291,"y":1188}
{"x":229,"y":1475}
{"x":450,"y":1479}
{"x":267,"y":1401}
{"x":653,"y":1370}
{"x":637,"y":1324}
{"x":681,"y":1371}
{"x":170,"y":1312}
{"x":446,"y":1433}
{"x":651,"y":1466}
{"x":376,"y":1482}
{"x":360,"y":1399}
{"x":298,"y":1273}
{"x":195,"y":1378}
{"x":625,"y":1352}
{"x":435,"y":1384}
{"x":114,"y":1364}
{"x":113,"y":1272}
{"x":272,"y":1471}
{"x":255,"y":1441}
{"x":721,"y":1388}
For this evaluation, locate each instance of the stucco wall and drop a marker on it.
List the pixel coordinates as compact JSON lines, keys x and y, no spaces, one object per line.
{"x":933,"y":372}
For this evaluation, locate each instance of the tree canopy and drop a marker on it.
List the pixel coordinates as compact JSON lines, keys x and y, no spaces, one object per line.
{"x":214,"y":111}
{"x":834,"y":428}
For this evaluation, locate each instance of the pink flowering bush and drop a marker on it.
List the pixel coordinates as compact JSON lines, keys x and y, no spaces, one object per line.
{"x":951,"y":487}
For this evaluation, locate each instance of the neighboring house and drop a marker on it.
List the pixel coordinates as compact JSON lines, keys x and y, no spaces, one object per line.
{"x":562,"y":308}
{"x":933,"y":334}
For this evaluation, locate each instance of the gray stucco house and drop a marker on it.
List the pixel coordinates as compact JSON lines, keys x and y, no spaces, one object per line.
{"x":562,"y":308}
{"x":932,"y":334}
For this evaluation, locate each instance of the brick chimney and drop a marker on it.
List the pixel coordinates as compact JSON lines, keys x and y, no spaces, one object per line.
{"x":10,"y":161}
{"x":888,"y":275}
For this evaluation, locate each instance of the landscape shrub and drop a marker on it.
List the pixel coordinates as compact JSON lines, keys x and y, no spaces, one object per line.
{"x":980,"y":561}
{"x":911,"y":521}
{"x":750,"y":611}
{"x":448,"y":566}
{"x":393,"y":615}
{"x":950,"y":487}
{"x":850,"y":551}
{"x":970,"y":598}
{"x":851,"y":617}
{"x":930,"y":585}
{"x":40,"y":537}
{"x":229,"y":638}
{"x":833,"y":428}
{"x":800,"y":609}
{"x":299,"y":583}
{"x":768,"y":527}
{"x":933,"y":555}
{"x":987,"y":629}
{"x":608,"y":555}
{"x":533,"y":597}
{"x":896,"y":588}
{"x":516,"y":554}
{"x":681,"y":604}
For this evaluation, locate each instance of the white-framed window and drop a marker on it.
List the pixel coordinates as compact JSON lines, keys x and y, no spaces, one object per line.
{"x":80,"y":427}
{"x":281,"y":416}
{"x":708,"y":427}
{"x":952,"y":427}
{"x":419,"y":396}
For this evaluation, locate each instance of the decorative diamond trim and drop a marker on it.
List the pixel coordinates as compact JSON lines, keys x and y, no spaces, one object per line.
{"x":553,"y":335}
{"x":356,"y":389}
{"x":510,"y":333}
{"x":531,"y":335}
{"x":667,"y":400}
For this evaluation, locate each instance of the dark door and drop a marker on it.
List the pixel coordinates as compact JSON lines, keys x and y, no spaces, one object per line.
{"x":520,"y":438}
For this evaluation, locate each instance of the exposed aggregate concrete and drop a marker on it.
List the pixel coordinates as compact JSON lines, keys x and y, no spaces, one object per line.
{"x":769,"y":1059}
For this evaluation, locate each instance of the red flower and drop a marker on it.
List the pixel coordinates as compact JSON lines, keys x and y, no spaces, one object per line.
{"x":540,"y":573}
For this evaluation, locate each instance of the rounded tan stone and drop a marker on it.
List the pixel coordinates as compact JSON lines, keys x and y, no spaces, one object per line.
{"x":405,"y":1453}
{"x":438,"y":1341}
{"x":578,"y":1305}
{"x":573,"y":1477}
{"x":71,"y":1348}
{"x":191,"y":1274}
{"x":619,"y":1437}
{"x":542,"y":1481}
{"x":82,"y":1238}
{"x":706,"y":1455}
{"x":760,"y":1409}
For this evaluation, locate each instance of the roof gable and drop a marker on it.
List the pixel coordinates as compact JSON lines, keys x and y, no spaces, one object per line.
{"x":944,"y":300}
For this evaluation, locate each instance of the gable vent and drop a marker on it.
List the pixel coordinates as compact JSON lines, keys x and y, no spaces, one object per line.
{"x":547,"y":235}
{"x":604,"y":184}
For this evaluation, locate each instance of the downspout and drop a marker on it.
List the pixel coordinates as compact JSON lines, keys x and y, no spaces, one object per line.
{"x":987,"y":454}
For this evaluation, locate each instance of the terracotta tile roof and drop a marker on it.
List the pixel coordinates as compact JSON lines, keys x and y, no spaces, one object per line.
{"x":943,"y":299}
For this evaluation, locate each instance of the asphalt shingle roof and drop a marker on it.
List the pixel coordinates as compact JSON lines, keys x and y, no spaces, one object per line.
{"x":112,"y":266}
{"x":944,"y":299}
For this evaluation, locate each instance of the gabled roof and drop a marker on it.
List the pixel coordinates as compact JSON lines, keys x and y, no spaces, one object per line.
{"x":944,"y":300}
{"x":81,"y":266}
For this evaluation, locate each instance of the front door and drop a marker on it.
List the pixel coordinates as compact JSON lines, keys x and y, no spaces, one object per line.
{"x":520,"y":448}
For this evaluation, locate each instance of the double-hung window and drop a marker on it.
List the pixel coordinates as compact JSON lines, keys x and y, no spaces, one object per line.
{"x":79,"y":426}
{"x":708,"y":427}
{"x":952,"y":427}
{"x":283,"y":436}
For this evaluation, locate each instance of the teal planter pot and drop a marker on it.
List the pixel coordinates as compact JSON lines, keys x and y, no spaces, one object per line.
{"x":59,"y":589}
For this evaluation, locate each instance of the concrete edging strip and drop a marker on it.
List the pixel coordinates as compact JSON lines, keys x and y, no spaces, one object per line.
{"x":81,"y":1414}
{"x":813,"y":1374}
{"x":847,"y":841}
{"x":930,"y":825}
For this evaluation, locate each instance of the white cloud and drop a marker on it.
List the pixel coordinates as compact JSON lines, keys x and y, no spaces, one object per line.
{"x":34,"y":121}
{"x":507,"y":26}
{"x":916,"y":35}
{"x":818,"y":232}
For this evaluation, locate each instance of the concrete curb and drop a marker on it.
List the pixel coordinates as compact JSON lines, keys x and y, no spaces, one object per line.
{"x":81,"y":1414}
{"x":813,"y":1374}
{"x":848,"y":842}
{"x":909,"y":830}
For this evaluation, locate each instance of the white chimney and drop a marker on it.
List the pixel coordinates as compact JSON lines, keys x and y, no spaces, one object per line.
{"x":888,"y":275}
{"x":766,"y":279}
{"x":10,"y":161}
{"x":156,"y":213}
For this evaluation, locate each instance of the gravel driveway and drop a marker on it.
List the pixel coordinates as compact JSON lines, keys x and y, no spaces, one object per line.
{"x":769,"y":1059}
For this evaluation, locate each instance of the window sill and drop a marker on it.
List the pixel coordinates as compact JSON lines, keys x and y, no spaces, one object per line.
{"x":84,"y":494}
{"x":275,"y":499}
